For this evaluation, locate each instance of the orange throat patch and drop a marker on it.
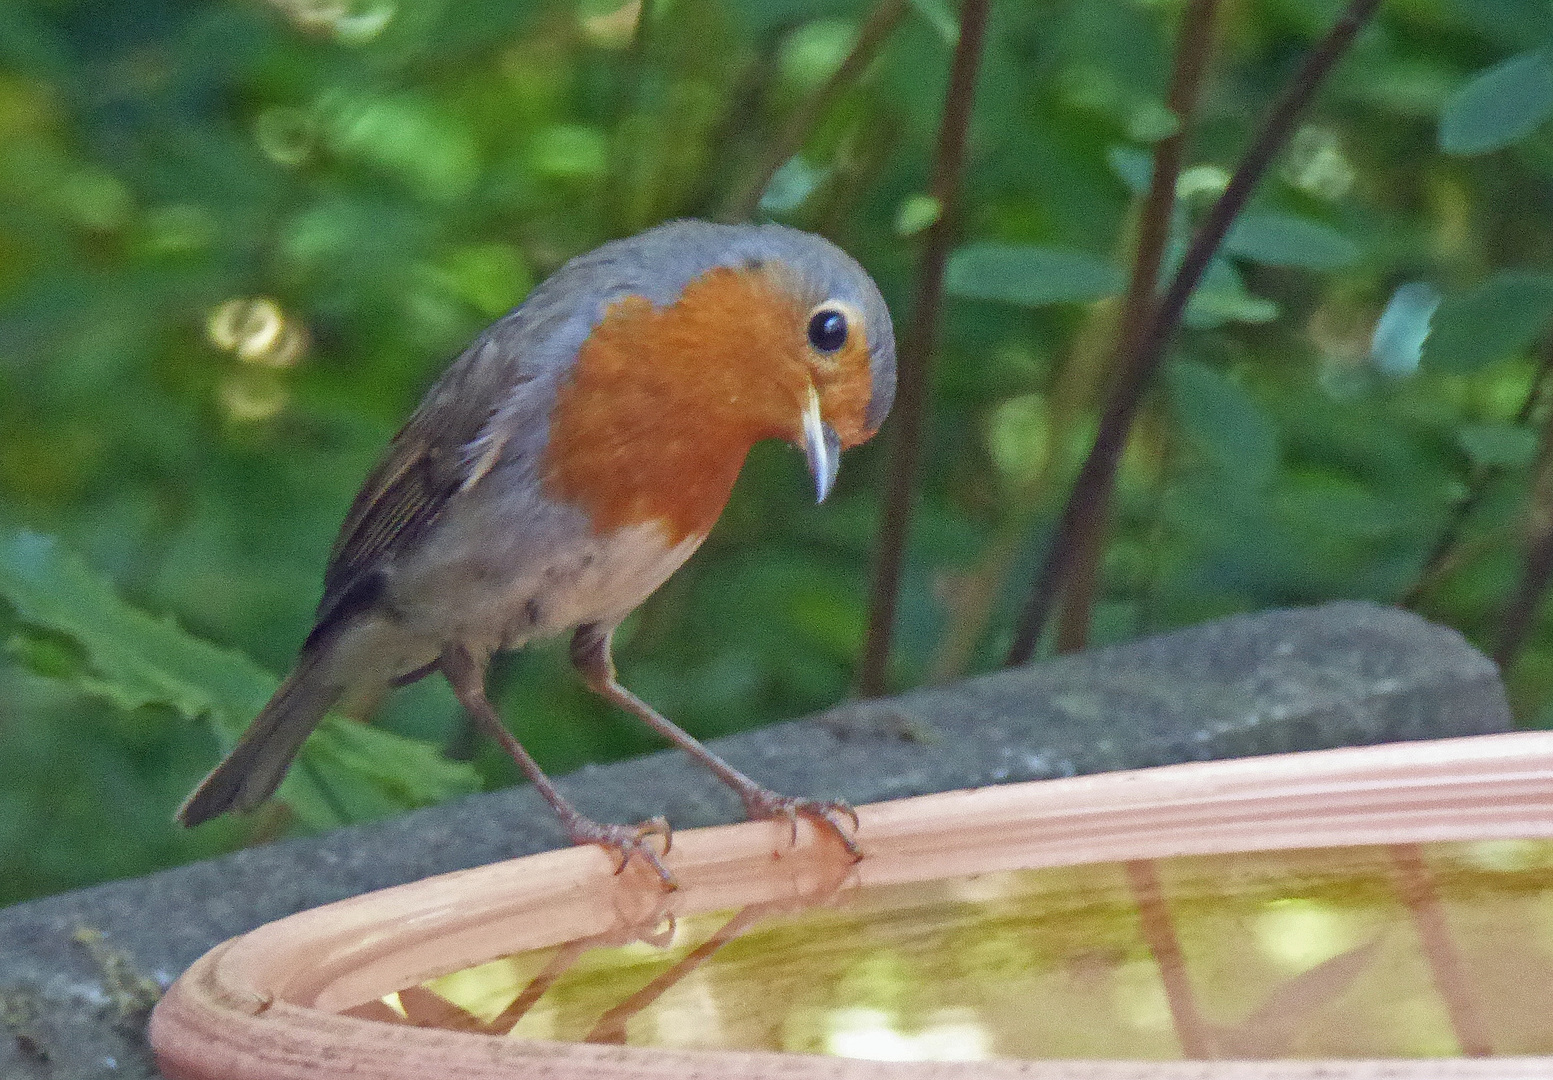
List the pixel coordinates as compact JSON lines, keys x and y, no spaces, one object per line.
{"x":664,"y":404}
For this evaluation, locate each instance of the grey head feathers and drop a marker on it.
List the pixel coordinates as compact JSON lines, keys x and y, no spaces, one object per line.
{"x":557,"y":317}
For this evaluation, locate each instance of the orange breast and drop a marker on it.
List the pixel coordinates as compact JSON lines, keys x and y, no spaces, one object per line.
{"x":663,"y":404}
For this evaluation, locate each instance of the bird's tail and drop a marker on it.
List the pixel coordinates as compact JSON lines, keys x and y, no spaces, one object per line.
{"x":257,"y":764}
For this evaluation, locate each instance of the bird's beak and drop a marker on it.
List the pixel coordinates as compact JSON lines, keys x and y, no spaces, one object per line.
{"x":821,"y":445}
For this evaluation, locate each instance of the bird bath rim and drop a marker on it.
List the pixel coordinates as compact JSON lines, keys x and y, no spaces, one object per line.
{"x":267,"y":1005}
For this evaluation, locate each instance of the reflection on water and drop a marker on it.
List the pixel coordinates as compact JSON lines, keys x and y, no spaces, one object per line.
{"x":1405,"y":951}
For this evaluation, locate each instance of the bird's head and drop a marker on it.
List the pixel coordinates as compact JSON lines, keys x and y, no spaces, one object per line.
{"x":714,"y":338}
{"x":821,"y":339}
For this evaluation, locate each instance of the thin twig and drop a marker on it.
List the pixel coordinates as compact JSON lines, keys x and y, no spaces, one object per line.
{"x":628,"y":96}
{"x":875,"y":31}
{"x":1092,"y":489}
{"x":1537,"y":570}
{"x":1194,"y":41}
{"x":1446,"y":549}
{"x":1516,"y":621}
{"x":917,"y":347}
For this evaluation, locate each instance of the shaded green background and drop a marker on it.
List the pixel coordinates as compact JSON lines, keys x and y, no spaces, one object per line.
{"x":238,"y":239}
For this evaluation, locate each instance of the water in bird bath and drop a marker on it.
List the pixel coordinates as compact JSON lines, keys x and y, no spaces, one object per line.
{"x":1408,"y":950}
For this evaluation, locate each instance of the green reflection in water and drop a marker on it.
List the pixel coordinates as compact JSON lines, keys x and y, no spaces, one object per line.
{"x":1360,"y":952}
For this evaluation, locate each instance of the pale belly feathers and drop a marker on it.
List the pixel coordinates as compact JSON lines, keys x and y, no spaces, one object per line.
{"x":490,"y":590}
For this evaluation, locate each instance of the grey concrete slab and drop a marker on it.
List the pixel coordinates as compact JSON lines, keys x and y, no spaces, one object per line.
{"x":78,"y":971}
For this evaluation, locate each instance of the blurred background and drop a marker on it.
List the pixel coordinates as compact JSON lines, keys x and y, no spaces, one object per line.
{"x":238,"y":239}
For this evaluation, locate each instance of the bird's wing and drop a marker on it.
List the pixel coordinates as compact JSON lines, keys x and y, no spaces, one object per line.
{"x":443,"y":449}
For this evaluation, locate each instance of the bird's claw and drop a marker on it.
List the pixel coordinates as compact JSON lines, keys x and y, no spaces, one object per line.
{"x":828,"y":813}
{"x":627,"y":840}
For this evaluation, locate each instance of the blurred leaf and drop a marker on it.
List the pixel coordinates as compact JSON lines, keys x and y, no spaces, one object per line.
{"x":1280,"y":239}
{"x":1499,"y":106}
{"x":1132,"y":166}
{"x":1201,"y":183}
{"x":790,"y":185}
{"x":1017,"y":436}
{"x":915,"y":213}
{"x":491,"y":277}
{"x":813,"y":52}
{"x":1151,"y":121}
{"x":1223,"y":421}
{"x":133,"y":660}
{"x":569,"y":152}
{"x":1498,"y":319}
{"x":1221,"y":298}
{"x":1502,"y":445}
{"x":941,"y":17}
{"x":429,"y":147}
{"x":1397,"y":345}
{"x":1029,"y":276}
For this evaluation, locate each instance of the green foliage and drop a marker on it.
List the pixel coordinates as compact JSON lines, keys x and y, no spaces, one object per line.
{"x":1499,"y":106}
{"x":1279,"y":239}
{"x":239,"y":238}
{"x":1224,"y":423}
{"x":131,"y":660}
{"x":1496,"y":320}
{"x":1500,"y":446}
{"x":1029,"y":276}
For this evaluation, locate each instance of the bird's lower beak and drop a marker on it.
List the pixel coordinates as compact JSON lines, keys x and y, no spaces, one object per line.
{"x":822,"y":446}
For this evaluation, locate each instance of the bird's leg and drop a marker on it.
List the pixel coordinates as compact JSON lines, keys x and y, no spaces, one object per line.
{"x":467,"y":677}
{"x":591,"y":656}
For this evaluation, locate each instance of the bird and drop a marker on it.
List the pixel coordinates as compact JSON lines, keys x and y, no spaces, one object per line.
{"x":562,"y":468}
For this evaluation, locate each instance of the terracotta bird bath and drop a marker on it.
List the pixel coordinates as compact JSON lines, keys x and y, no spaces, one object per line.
{"x":1372,"y":912}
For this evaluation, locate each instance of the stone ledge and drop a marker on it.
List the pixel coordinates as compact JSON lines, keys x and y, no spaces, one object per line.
{"x":77,"y":970}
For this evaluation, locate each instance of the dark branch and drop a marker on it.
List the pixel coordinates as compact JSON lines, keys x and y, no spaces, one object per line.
{"x":917,"y":347}
{"x":1447,"y":548}
{"x":1517,"y":619}
{"x":1521,"y":611}
{"x":1194,"y":41}
{"x":1093,"y":487}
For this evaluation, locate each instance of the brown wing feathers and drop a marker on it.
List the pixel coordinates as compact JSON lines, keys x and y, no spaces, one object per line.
{"x":427,"y":464}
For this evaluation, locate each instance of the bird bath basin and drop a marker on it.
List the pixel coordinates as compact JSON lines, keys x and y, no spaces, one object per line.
{"x":1380,"y":911}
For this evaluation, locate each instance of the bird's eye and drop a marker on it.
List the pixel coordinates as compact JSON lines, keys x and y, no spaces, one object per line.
{"x":828,"y":330}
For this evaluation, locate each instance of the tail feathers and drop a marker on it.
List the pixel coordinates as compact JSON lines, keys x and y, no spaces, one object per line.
{"x":257,"y":764}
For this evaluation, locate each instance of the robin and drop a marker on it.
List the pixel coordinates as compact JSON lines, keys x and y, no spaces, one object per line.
{"x":568,"y":462}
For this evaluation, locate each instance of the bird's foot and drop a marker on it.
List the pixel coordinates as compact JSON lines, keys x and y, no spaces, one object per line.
{"x":624,"y":841}
{"x":828,"y":815}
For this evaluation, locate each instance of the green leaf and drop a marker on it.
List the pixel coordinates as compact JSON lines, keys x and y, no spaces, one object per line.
{"x":1029,"y":276}
{"x":812,"y":52}
{"x":915,"y":213}
{"x":490,"y":277}
{"x":1279,"y":239}
{"x":133,"y":659}
{"x":790,"y":185}
{"x":1499,"y":106}
{"x":1499,"y":318}
{"x":1224,"y":422}
{"x":938,"y":15}
{"x":1151,"y":122}
{"x":1132,"y":166}
{"x":407,"y":135}
{"x":577,"y":152}
{"x":1507,"y":446}
{"x":1017,"y":436}
{"x":1222,"y":298}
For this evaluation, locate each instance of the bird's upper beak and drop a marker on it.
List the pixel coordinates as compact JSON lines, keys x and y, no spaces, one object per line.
{"x":821,"y":445}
